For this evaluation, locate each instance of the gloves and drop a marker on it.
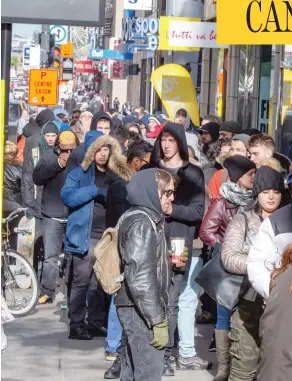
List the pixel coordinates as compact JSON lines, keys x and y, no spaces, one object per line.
{"x":183,"y":258}
{"x":160,"y":335}
{"x":101,"y":192}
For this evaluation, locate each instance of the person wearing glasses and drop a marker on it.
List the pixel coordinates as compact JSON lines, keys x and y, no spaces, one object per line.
{"x":100,"y":122}
{"x":184,"y":216}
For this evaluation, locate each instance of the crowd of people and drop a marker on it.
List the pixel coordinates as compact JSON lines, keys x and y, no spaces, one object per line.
{"x":160,"y":180}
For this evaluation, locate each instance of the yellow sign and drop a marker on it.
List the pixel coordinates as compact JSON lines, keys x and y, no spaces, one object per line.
{"x":43,"y":87}
{"x":175,"y":88}
{"x":67,"y":50}
{"x":254,"y":22}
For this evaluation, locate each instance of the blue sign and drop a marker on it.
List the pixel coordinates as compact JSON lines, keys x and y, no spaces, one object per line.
{"x":26,"y":51}
{"x":105,"y":54}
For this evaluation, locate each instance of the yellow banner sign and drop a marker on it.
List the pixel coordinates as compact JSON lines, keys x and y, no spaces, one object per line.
{"x":254,"y":22}
{"x":175,"y":88}
{"x":43,"y":87}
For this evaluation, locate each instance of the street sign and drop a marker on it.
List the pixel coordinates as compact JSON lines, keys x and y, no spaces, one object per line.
{"x":43,"y":87}
{"x":60,"y":32}
{"x":26,"y":56}
{"x":67,"y":50}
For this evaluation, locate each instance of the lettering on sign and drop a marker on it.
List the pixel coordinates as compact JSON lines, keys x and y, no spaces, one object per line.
{"x":43,"y":87}
{"x":145,"y":29}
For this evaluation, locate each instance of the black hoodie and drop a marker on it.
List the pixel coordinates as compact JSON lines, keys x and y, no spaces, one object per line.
{"x":34,"y":127}
{"x":188,"y":206}
{"x":78,"y":153}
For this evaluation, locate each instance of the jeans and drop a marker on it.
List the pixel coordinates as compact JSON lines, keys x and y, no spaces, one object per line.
{"x":188,"y":303}
{"x":53,"y":234}
{"x":142,"y":362}
{"x":81,"y":285}
{"x":223,"y":318}
{"x":174,"y":293}
{"x":114,"y":330}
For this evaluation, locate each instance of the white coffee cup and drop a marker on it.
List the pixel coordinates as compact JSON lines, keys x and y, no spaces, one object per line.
{"x":177,"y":248}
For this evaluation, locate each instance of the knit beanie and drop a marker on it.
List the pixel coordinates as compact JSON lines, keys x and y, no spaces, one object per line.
{"x":237,"y":166}
{"x":50,"y":128}
{"x":212,"y":128}
{"x":267,"y":178}
{"x":243,"y":138}
{"x":231,"y":126}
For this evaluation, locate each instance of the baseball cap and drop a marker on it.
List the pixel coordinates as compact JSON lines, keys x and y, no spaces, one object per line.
{"x":59,"y":111}
{"x":67,"y":140}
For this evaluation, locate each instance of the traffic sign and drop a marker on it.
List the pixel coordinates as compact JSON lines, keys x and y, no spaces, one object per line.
{"x":43,"y":87}
{"x":60,"y":32}
{"x":67,"y":50}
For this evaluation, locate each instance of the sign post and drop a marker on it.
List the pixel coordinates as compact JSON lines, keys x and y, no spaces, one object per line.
{"x":43,"y":87}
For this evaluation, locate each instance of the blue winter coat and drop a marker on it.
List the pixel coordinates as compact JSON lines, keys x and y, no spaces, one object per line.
{"x":78,"y":194}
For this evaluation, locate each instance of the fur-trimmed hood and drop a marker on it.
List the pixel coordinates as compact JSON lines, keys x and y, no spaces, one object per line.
{"x":117,"y":163}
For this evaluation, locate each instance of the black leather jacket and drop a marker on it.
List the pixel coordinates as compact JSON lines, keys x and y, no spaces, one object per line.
{"x":12,"y":185}
{"x":146,"y":266}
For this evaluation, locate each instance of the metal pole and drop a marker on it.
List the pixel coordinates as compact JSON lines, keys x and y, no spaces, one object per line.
{"x":6,"y":39}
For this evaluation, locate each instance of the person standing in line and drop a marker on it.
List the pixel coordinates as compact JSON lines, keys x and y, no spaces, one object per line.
{"x":268,"y":189}
{"x":116,"y":104}
{"x":84,"y":192}
{"x":209,"y":134}
{"x":143,"y":298}
{"x":50,"y":174}
{"x":183,"y":219}
{"x":138,"y":154}
{"x":235,"y":196}
{"x":70,"y":104}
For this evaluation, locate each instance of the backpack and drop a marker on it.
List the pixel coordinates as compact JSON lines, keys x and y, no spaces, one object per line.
{"x":107,"y":266}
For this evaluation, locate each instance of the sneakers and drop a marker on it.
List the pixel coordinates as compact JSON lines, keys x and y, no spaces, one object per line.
{"x":79,"y":333}
{"x":205,"y":318}
{"x":45,"y":299}
{"x":192,"y":363}
{"x":97,"y":331}
{"x":114,"y":371}
{"x":212,"y":347}
{"x":110,"y":356}
{"x":167,"y":367}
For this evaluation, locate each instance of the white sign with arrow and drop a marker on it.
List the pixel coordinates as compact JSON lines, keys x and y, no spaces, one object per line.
{"x":60,"y":32}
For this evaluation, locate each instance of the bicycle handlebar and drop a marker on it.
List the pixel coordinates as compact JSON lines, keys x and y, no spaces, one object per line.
{"x":23,"y":231}
{"x":13,"y":214}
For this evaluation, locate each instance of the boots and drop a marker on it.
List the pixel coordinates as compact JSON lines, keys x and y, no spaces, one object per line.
{"x":223,"y":355}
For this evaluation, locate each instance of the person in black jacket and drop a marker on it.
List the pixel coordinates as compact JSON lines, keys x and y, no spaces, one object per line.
{"x":183,"y":219}
{"x":12,"y":183}
{"x":116,"y":204}
{"x":143,"y":297}
{"x":50,"y":173}
{"x":101,"y":121}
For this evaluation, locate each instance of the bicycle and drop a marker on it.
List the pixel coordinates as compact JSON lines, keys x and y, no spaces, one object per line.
{"x":18,"y":278}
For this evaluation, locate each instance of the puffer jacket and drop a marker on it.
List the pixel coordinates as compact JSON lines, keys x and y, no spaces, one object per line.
{"x":235,"y":247}
{"x":146,"y":266}
{"x":215,"y":222}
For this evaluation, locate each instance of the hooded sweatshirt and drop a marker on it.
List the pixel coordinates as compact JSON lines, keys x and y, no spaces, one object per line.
{"x":192,"y":139}
{"x":97,"y":117}
{"x":188,"y":206}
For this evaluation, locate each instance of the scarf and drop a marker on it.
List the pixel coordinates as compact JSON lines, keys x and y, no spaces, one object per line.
{"x":236,"y":195}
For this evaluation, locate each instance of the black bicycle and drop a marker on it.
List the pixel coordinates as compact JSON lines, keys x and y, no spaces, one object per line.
{"x":18,"y":281}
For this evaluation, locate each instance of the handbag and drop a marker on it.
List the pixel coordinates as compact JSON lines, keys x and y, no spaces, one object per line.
{"x":225,"y":288}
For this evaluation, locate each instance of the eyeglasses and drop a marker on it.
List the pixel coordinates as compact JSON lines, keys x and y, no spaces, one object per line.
{"x":144,"y":161}
{"x":169,"y":192}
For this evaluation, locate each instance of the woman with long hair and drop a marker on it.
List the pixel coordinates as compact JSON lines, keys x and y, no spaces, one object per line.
{"x":268,"y":189}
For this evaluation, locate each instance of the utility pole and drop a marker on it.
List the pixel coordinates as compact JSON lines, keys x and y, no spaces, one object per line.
{"x":6,"y":40}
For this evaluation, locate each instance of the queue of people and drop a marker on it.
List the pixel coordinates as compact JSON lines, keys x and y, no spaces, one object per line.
{"x":159,"y":180}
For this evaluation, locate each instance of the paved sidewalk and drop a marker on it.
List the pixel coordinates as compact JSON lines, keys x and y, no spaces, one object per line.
{"x":39,"y":350}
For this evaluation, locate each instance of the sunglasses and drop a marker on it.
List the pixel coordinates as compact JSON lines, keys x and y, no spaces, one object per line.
{"x":169,"y":192}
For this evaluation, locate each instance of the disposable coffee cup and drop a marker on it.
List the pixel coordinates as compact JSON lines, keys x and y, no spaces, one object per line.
{"x":177,"y":248}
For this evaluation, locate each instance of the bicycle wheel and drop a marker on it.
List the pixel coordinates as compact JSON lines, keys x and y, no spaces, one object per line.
{"x":19,"y":283}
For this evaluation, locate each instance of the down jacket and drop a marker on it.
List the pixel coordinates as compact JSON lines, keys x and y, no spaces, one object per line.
{"x":235,"y":249}
{"x":215,"y":222}
{"x":274,"y":235}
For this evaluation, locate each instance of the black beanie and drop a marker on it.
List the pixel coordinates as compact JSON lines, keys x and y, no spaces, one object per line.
{"x":231,"y":126}
{"x":212,"y":128}
{"x":267,"y":178}
{"x":50,"y":128}
{"x":237,"y":166}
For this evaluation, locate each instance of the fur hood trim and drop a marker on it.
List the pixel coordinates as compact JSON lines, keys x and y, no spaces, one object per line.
{"x":117,"y":163}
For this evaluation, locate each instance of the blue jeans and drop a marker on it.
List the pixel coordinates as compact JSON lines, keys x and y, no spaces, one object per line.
{"x":188,"y":303}
{"x":223,"y":318}
{"x":114,"y":330}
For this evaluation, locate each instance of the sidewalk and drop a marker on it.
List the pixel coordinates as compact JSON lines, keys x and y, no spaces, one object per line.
{"x":39,"y":350}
